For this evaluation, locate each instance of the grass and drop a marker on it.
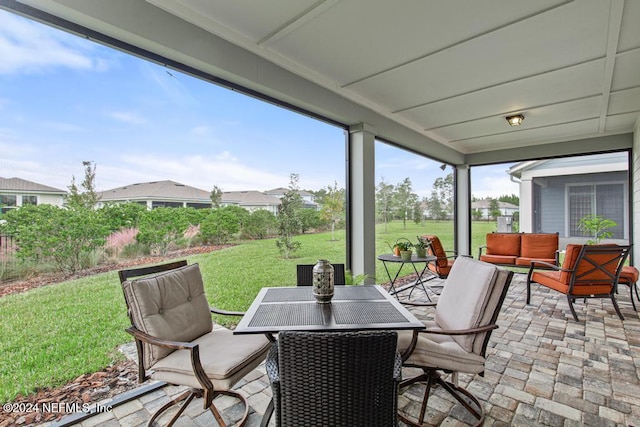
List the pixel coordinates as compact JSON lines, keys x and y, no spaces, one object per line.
{"x":52,"y":335}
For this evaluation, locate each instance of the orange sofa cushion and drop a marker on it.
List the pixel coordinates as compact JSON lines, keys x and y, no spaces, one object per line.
{"x":539,"y":246}
{"x":503,"y":244}
{"x":629,"y":274}
{"x":552,"y":279}
{"x":499,"y":259}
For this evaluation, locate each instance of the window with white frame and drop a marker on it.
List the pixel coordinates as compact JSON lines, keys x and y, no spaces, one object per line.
{"x":605,"y":200}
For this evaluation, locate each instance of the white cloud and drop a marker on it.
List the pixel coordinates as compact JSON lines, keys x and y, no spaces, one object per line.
{"x":30,"y":47}
{"x":198,"y":171}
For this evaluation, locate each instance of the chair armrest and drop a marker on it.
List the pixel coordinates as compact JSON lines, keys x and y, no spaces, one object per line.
{"x":217,"y":310}
{"x":480,"y":250}
{"x":194,"y":350}
{"x":419,"y":304}
{"x":535,"y":263}
{"x":149,"y":339}
{"x":414,"y":339}
{"x":471,"y":331}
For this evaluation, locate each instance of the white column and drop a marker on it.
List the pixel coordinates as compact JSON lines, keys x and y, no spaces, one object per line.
{"x":463,"y":210}
{"x":526,"y":205}
{"x":362,"y":195}
{"x":635,"y":202}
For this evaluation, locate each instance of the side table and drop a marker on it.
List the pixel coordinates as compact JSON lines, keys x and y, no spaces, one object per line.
{"x":420,"y":280}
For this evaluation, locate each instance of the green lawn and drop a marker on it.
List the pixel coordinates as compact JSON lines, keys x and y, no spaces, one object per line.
{"x":52,"y":335}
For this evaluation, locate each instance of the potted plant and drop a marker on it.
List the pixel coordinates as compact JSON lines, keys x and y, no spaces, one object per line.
{"x":399,"y":245}
{"x":404,"y":246}
{"x":596,"y":227}
{"x":421,"y":246}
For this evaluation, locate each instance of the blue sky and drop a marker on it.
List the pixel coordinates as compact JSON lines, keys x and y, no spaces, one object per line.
{"x":65,"y":100}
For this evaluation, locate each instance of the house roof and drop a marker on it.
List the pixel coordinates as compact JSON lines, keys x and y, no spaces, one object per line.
{"x":250,"y":198}
{"x":282,"y":190}
{"x":606,"y":162}
{"x":157,"y":190}
{"x":22,"y":185}
{"x":484,"y":204}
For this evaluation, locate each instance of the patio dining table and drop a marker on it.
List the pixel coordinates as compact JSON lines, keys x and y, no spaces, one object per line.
{"x":352,"y":308}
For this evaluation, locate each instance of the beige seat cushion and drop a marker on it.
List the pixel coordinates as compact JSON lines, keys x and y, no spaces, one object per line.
{"x":439,"y":351}
{"x":171,"y":306}
{"x":464,"y":298}
{"x":225,"y":358}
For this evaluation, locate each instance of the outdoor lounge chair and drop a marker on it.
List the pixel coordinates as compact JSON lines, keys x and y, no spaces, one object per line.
{"x":335,"y":378}
{"x":456,"y":340}
{"x":178,"y":342}
{"x":442,"y":266}
{"x":305,"y":274}
{"x":587,"y":271}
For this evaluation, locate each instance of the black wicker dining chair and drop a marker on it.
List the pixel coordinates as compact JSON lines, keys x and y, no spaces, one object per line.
{"x":305,"y":274}
{"x":177,"y":341}
{"x":335,"y":378}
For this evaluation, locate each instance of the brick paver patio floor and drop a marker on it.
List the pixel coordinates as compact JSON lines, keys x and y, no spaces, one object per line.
{"x":543,"y":368}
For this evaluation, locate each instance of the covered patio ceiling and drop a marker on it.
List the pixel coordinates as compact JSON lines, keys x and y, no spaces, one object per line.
{"x":435,"y":77}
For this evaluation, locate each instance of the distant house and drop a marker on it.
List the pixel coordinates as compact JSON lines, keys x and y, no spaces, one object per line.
{"x":16,"y":192}
{"x":251,"y":200}
{"x":158,"y":194}
{"x":506,"y":209}
{"x":307,"y":198}
{"x":555,"y":194}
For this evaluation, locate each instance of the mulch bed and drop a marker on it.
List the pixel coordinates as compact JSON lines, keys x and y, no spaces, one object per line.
{"x":88,"y":388}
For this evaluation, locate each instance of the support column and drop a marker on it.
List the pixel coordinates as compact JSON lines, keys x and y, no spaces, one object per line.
{"x":462,"y":212}
{"x":362,"y":200}
{"x":526,"y":206}
{"x":634,"y":189}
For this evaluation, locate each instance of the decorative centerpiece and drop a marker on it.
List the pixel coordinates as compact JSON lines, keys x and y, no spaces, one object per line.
{"x":323,"y":281}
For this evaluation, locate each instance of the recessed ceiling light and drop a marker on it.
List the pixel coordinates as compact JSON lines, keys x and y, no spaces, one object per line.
{"x":515,"y":120}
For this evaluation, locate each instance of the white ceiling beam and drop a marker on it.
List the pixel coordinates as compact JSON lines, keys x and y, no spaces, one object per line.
{"x":613,"y":35}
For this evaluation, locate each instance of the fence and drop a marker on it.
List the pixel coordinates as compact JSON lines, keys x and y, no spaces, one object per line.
{"x":7,"y":250}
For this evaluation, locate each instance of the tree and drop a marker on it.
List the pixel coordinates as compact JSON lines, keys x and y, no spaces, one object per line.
{"x":442,"y":197}
{"x":85,"y":196}
{"x":436,"y":210}
{"x":333,"y":207}
{"x":512,"y":199}
{"x":216,"y":196}
{"x":476,"y":214}
{"x":384,"y":201}
{"x":288,"y":219}
{"x":494,"y":208}
{"x":417,"y":212}
{"x":405,"y":198}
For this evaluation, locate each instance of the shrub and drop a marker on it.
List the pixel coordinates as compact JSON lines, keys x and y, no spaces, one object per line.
{"x":160,"y":227}
{"x":46,"y":233}
{"x":259,"y":224}
{"x":219,"y":225}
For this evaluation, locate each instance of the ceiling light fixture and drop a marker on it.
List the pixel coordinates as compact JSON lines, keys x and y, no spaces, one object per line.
{"x":515,"y":120}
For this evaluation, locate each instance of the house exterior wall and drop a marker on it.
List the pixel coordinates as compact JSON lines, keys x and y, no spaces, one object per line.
{"x":554,"y":205}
